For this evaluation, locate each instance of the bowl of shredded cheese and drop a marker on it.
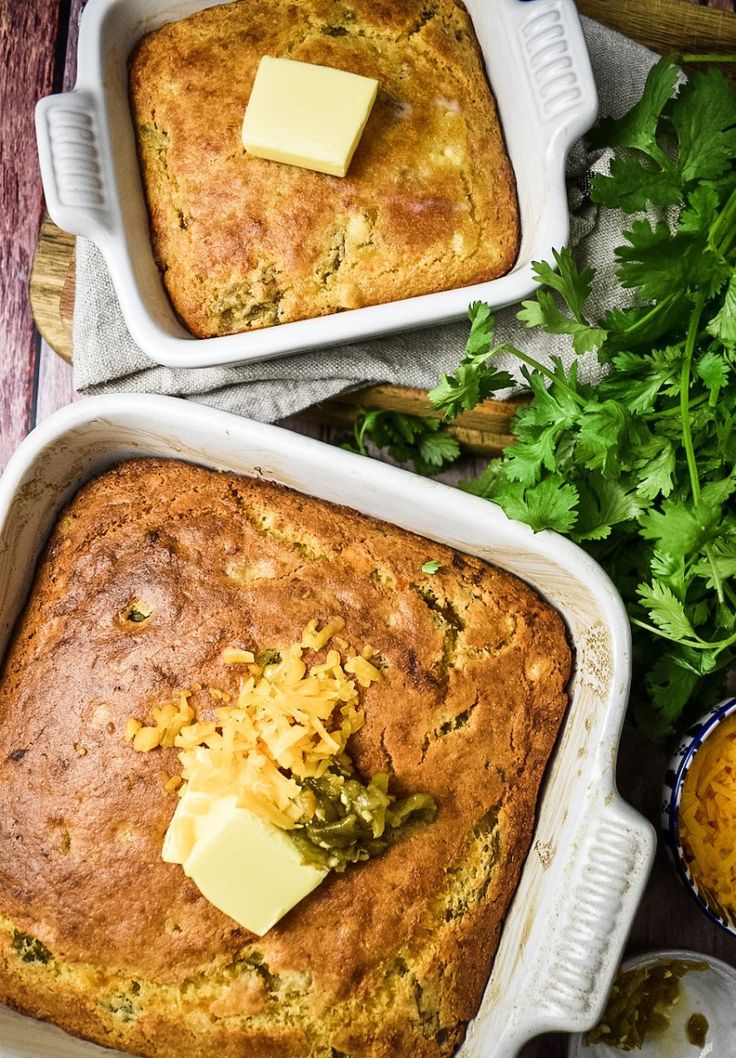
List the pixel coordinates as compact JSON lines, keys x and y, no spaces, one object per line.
{"x":699,"y":813}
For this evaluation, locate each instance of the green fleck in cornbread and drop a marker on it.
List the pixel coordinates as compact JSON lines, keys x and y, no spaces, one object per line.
{"x":389,"y":959}
{"x":429,"y":202}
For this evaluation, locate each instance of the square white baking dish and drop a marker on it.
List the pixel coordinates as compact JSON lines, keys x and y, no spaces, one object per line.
{"x":591,"y":853}
{"x":538,"y":66}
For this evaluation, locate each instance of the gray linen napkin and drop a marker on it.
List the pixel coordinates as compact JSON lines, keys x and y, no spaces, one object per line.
{"x":106,"y":360}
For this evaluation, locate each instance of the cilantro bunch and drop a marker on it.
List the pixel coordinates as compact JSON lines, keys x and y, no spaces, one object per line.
{"x":421,"y":440}
{"x":639,"y":469}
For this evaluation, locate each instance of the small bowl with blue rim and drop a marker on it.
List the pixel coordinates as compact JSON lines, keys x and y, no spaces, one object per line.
{"x":680,"y":765}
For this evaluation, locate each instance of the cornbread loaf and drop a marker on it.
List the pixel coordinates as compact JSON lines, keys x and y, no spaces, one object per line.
{"x":428,"y":203}
{"x":153,"y":570}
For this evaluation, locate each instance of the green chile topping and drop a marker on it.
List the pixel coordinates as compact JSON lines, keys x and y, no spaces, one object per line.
{"x":353,"y":821}
{"x":697,"y":1029}
{"x":640,"y":1003}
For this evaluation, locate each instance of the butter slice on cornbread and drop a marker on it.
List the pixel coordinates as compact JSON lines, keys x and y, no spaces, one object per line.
{"x":307,"y":115}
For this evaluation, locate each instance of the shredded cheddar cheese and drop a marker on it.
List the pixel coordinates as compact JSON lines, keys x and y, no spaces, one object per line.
{"x":708,"y":814}
{"x":284,"y":722}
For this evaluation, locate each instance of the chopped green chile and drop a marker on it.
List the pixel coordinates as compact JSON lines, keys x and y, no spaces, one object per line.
{"x":353,"y":821}
{"x":697,"y":1029}
{"x":640,"y":1004}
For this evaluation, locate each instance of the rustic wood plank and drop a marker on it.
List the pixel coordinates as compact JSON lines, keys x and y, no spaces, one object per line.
{"x":51,"y":288}
{"x":28,"y":34}
{"x":55,"y":384}
{"x":668,"y":25}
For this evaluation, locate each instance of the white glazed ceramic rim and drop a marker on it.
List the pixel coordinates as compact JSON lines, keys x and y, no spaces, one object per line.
{"x":583,"y":879}
{"x":544,"y":87}
{"x":679,"y":767}
{"x":648,"y":958}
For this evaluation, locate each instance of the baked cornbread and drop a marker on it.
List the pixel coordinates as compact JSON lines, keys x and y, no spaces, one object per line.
{"x":429,"y":201}
{"x":154,"y":569}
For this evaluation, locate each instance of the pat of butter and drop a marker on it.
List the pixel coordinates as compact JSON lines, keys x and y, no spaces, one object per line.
{"x":248,"y":868}
{"x":307,"y":115}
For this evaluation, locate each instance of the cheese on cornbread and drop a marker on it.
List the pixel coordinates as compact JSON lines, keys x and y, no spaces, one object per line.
{"x":429,"y":201}
{"x":152,"y":572}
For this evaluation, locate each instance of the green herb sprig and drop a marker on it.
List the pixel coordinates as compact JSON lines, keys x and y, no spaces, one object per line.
{"x":639,"y":469}
{"x":420,"y":439}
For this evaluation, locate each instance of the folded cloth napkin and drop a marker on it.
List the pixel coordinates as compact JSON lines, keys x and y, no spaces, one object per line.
{"x":106,"y":360}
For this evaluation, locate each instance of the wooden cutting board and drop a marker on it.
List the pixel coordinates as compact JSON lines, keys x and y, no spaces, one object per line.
{"x":676,"y":26}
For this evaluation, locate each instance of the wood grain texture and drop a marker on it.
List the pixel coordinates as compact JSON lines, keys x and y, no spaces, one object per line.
{"x":28,"y":34}
{"x":668,"y":25}
{"x":55,"y":384}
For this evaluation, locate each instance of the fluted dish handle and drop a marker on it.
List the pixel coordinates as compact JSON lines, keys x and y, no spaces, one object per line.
{"x":554,"y":60}
{"x":72,"y":169}
{"x":612,"y":866}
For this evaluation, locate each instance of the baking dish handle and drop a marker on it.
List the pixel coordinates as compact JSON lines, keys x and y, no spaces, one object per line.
{"x":72,"y":167}
{"x":612,"y":870}
{"x":553,"y":57}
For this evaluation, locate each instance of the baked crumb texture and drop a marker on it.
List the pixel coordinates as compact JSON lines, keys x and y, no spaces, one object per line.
{"x":98,"y":934}
{"x":429,"y":202}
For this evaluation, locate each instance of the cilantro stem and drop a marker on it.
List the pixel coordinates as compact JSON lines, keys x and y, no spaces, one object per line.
{"x":723,"y":229}
{"x":695,"y":644}
{"x":687,"y":437}
{"x":359,"y":429}
{"x":536,"y":366}
{"x":658,"y":309}
{"x":708,"y":58}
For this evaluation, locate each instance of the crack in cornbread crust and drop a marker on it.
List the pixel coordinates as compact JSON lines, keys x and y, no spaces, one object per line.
{"x":429,"y":202}
{"x":389,"y":958}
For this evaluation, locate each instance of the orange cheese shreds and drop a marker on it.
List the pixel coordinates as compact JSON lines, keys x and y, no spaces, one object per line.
{"x":284,"y":722}
{"x":708,"y":814}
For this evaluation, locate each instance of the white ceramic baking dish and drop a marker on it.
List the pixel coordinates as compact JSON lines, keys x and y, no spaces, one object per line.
{"x":538,"y":66}
{"x":591,"y":853}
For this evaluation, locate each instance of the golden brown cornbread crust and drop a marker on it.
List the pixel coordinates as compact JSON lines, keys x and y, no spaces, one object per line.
{"x":429,"y":202}
{"x":101,"y":936}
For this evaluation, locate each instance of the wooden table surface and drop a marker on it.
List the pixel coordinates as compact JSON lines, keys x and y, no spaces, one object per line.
{"x":37,"y":56}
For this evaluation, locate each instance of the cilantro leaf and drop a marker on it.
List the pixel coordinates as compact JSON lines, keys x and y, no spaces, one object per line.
{"x":705,"y":122}
{"x":574,"y":287}
{"x":666,"y":610}
{"x":631,"y":185}
{"x":543,"y":312}
{"x":669,"y":686}
{"x":713,"y":370}
{"x":603,"y":505}
{"x":656,"y":471}
{"x":656,"y":262}
{"x":638,"y":128}
{"x":723,"y":324}
{"x":550,"y":504}
{"x":437,"y":448}
{"x":421,"y":440}
{"x":472,"y":382}
{"x":467,"y":387}
{"x":601,"y":429}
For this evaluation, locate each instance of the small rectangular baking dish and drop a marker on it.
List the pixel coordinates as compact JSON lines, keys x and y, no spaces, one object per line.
{"x":538,"y":66}
{"x":591,"y":853}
